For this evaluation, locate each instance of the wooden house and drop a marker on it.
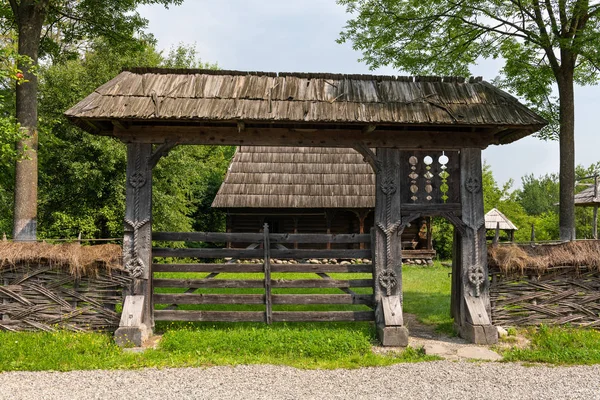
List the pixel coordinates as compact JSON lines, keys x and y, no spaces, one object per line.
{"x":494,"y":219}
{"x":590,"y":197}
{"x":308,"y":190}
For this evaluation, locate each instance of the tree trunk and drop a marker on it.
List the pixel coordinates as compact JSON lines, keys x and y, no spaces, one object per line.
{"x":30,"y":17}
{"x":567,"y":155}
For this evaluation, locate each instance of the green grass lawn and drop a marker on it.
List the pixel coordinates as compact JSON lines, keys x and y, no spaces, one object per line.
{"x":303,"y":345}
{"x":558,"y":345}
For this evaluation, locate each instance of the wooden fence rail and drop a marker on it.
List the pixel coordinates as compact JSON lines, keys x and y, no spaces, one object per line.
{"x":204,"y":290}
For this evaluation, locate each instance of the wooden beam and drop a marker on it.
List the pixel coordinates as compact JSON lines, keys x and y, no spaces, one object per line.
{"x":400,"y":139}
{"x":474,"y":319}
{"x":387,"y":249}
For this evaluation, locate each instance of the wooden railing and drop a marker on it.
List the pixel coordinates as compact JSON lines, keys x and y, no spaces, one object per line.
{"x":275,"y":294}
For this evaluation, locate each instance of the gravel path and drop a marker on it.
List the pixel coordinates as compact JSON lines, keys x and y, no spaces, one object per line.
{"x":427,"y":380}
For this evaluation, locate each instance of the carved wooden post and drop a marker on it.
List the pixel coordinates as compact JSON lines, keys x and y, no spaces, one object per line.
{"x":387,"y":253}
{"x":137,"y":318}
{"x":474,"y":322}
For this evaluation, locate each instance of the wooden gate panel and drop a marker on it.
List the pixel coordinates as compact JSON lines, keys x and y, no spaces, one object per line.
{"x":271,"y":261}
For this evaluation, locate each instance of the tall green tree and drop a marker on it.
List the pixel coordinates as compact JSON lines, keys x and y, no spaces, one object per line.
{"x":539,"y":195}
{"x":543,"y":44}
{"x":82,"y":176}
{"x":56,"y":28}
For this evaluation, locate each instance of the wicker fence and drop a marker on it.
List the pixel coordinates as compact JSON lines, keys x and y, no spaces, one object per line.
{"x":556,"y":295}
{"x":40,"y":297}
{"x":68,"y":286}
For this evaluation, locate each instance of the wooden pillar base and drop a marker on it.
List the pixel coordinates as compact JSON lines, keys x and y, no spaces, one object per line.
{"x":393,"y":336}
{"x":132,"y":332}
{"x":132,"y":336}
{"x":477,"y":334}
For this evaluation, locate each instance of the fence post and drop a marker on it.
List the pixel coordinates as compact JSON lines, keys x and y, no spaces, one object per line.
{"x":496,"y":235}
{"x":267,"y":269}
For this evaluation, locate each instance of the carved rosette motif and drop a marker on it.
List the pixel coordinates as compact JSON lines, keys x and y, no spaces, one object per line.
{"x":476,"y":278}
{"x":387,"y":277}
{"x":135,"y":265}
{"x":473,"y":185}
{"x":388,"y":280}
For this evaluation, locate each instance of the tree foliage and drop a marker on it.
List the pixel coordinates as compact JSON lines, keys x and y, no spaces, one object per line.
{"x":82,"y":176}
{"x":544,"y":44}
{"x":58,"y":30}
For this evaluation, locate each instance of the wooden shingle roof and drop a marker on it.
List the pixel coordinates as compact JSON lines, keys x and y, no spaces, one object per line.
{"x":297,"y":177}
{"x":185,"y":96}
{"x":494,"y":216}
{"x":588,"y":197}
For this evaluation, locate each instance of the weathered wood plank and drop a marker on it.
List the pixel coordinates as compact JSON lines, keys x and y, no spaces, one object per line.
{"x":279,"y":283}
{"x":392,"y":310}
{"x":207,"y":253}
{"x":222,"y":237}
{"x":201,"y":298}
{"x":211,"y":237}
{"x":322,"y":316}
{"x":323,"y":299}
{"x":320,"y":253}
{"x":208,"y":283}
{"x":246,"y":268}
{"x":213,"y":316}
{"x":256,"y":136}
{"x":207,"y":267}
{"x":322,"y":283}
{"x":319,"y":238}
{"x":323,"y":268}
{"x":267,"y":266}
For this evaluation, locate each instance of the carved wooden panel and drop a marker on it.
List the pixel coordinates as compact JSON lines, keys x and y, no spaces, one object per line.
{"x":430,"y":177}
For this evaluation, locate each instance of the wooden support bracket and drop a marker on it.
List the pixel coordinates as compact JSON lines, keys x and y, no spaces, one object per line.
{"x":161,"y":151}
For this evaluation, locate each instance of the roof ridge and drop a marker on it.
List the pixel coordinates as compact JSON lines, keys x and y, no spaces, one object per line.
{"x":306,"y":75}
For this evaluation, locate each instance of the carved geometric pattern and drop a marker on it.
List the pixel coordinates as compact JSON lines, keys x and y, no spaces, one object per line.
{"x":473,"y":185}
{"x":137,"y":180}
{"x":428,"y":176}
{"x":133,"y":263}
{"x":413,"y":161}
{"x":135,"y":267}
{"x":476,"y":278}
{"x":388,"y":280}
{"x":444,"y":175}
{"x":388,"y":187}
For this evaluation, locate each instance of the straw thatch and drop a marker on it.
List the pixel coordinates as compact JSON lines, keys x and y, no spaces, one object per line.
{"x":78,"y":260}
{"x":494,"y":216}
{"x":551,"y":284}
{"x":520,"y":259}
{"x":297,"y":177}
{"x":68,"y":286}
{"x":146,"y":94}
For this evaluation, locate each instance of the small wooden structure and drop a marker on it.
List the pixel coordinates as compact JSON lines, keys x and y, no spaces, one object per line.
{"x":590,"y":197}
{"x":308,"y":190}
{"x":428,"y":133}
{"x":495,"y":220}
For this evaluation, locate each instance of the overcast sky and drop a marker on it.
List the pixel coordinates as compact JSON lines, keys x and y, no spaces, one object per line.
{"x":300,"y":36}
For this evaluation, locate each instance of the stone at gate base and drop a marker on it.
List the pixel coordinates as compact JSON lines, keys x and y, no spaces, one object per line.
{"x":393,"y":336}
{"x":132,"y":336}
{"x":477,"y":334}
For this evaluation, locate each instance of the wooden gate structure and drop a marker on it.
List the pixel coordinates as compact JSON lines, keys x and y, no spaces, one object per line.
{"x":268,"y":260}
{"x":422,"y":136}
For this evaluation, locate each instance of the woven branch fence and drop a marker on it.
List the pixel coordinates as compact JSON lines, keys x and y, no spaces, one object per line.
{"x":546,"y":293}
{"x":49,"y":294}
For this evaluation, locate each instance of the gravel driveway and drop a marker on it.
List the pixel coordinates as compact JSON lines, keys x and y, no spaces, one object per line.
{"x":426,"y":380}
